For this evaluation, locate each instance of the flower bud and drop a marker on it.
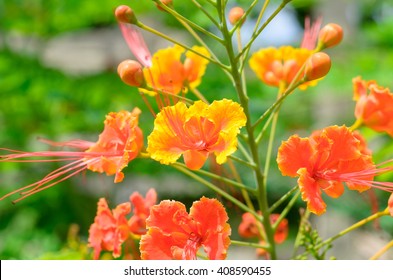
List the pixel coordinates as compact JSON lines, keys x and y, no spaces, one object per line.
{"x":168,"y":3}
{"x":125,"y":14}
{"x":317,"y":66}
{"x":235,"y":14}
{"x":131,"y":73}
{"x":330,"y":35}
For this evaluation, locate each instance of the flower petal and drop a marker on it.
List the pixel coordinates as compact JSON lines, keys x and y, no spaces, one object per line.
{"x":195,"y":65}
{"x":293,"y":154}
{"x":311,"y":192}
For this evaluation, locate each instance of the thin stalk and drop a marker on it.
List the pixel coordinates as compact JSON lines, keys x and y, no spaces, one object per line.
{"x":246,"y":13}
{"x":286,"y":210}
{"x":216,"y":177}
{"x":244,"y":162}
{"x":354,"y":226}
{"x":282,"y":199}
{"x":303,"y":220}
{"x":200,"y":7}
{"x":256,"y":34}
{"x":199,"y":95}
{"x":182,"y":19}
{"x":214,"y":188}
{"x":248,"y":244}
{"x":170,"y":39}
{"x":382,"y":251}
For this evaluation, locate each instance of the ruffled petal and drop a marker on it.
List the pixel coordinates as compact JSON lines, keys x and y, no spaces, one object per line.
{"x":195,"y":65}
{"x":293,"y":154}
{"x":311,"y":193}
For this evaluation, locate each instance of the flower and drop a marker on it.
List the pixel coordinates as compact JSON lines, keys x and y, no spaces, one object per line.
{"x":195,"y":132}
{"x":250,"y":227}
{"x":310,"y":36}
{"x":374,"y":105}
{"x":324,"y":161}
{"x":168,"y":74}
{"x":110,"y":228}
{"x":119,"y":143}
{"x":137,"y":222}
{"x":330,"y":35}
{"x":175,"y":234}
{"x":279,"y":67}
{"x":235,"y":15}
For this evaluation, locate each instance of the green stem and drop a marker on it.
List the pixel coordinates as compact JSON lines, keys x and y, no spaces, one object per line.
{"x":200,"y":7}
{"x":243,"y":98}
{"x":286,"y":210}
{"x":244,"y":162}
{"x":248,"y":244}
{"x":303,"y":220}
{"x":170,"y":39}
{"x":283,"y":198}
{"x":182,"y":19}
{"x":354,"y":226}
{"x":214,"y":188}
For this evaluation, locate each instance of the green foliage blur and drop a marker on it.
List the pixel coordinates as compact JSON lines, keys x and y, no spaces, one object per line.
{"x":40,"y":101}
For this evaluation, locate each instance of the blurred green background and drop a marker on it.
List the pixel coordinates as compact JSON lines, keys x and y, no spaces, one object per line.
{"x":58,"y":79}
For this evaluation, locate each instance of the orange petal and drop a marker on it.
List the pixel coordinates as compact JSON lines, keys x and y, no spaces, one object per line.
{"x":311,"y":193}
{"x":293,"y":154}
{"x":195,"y":65}
{"x":390,"y":205}
{"x":195,"y":159}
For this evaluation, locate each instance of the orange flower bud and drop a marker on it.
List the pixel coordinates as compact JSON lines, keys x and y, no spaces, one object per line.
{"x":235,"y":15}
{"x":168,"y":3}
{"x":330,"y":35}
{"x":125,"y":14}
{"x":131,"y":73}
{"x":317,"y":66}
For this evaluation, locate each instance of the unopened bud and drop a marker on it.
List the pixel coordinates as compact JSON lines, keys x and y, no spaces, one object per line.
{"x":235,"y":14}
{"x":168,"y":3}
{"x":330,"y":35}
{"x":131,"y":73}
{"x":317,"y":66}
{"x":125,"y":14}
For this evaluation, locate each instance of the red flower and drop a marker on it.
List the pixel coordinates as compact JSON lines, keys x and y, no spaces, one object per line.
{"x":326,"y":160}
{"x":141,"y":210}
{"x":374,"y":105}
{"x":175,"y":234}
{"x":110,"y":228}
{"x":119,"y":143}
{"x":390,"y":205}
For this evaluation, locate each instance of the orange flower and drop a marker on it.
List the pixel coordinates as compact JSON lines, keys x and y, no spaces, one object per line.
{"x":175,"y":234}
{"x":374,"y":105}
{"x":277,"y":67}
{"x":326,"y":160}
{"x":119,"y":143}
{"x":196,"y":132}
{"x":110,"y":228}
{"x":249,"y":227}
{"x":141,"y":211}
{"x":170,"y":75}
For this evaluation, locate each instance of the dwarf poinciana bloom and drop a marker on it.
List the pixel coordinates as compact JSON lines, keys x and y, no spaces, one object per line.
{"x":195,"y":132}
{"x":374,"y":105}
{"x":119,"y":143}
{"x":390,"y":204}
{"x":169,"y":74}
{"x":279,"y":66}
{"x":111,"y":228}
{"x":327,"y":159}
{"x":175,"y":234}
{"x":250,"y":227}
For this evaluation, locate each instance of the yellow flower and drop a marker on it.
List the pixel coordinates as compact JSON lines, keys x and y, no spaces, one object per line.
{"x":276,"y":66}
{"x":195,"y":132}
{"x":169,"y":74}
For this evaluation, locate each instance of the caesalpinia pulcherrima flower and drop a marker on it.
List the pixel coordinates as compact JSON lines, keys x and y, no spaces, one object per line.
{"x":196,"y":132}
{"x":327,"y":159}
{"x":170,"y":75}
{"x":279,"y":66}
{"x":390,"y":204}
{"x":111,"y":228}
{"x":251,"y":228}
{"x":119,"y":143}
{"x":374,"y":105}
{"x":175,"y":234}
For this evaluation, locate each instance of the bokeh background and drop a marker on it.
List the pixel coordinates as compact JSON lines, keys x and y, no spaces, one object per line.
{"x":58,"y":80}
